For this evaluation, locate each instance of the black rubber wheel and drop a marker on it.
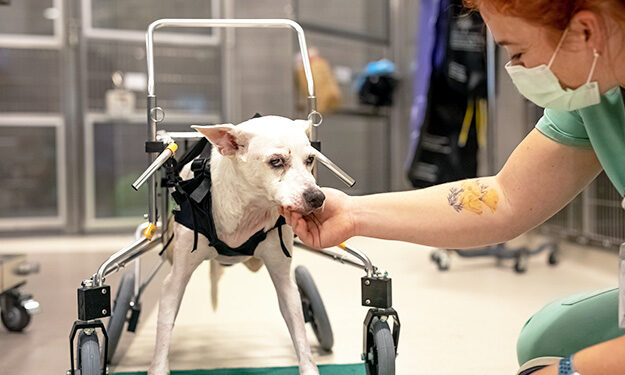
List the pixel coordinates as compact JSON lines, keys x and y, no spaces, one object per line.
{"x":442,"y":259}
{"x":520,"y":264}
{"x":15,"y":318}
{"x":554,"y":258}
{"x":119,"y":314}
{"x":381,"y":355}
{"x":89,"y":358}
{"x":311,"y":299}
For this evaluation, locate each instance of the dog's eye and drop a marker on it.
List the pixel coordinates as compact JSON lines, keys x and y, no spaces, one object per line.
{"x":310,"y":160}
{"x":276,"y":162}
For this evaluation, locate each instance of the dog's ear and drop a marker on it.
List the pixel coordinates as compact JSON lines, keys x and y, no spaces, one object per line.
{"x":304,"y":125}
{"x":226,"y":137}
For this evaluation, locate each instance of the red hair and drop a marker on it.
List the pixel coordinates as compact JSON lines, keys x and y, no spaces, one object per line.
{"x":553,"y":13}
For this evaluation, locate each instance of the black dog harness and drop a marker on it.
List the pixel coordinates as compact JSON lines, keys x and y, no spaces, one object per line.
{"x":195,"y":200}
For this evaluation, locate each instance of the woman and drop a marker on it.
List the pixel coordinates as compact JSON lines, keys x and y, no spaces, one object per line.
{"x":569,"y":57}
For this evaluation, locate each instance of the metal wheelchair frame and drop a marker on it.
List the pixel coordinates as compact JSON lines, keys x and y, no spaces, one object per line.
{"x":94,"y":296}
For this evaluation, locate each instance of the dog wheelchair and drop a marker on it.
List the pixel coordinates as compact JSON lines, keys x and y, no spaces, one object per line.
{"x":90,"y":357}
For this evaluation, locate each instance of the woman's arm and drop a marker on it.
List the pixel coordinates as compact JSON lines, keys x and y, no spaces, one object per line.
{"x":540,"y":177}
{"x":604,"y":358}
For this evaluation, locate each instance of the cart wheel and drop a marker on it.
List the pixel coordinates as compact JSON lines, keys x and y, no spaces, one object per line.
{"x":313,"y":308}
{"x":15,"y":318}
{"x":442,"y":259}
{"x":119,"y":314}
{"x":89,"y":361}
{"x":520,"y":264}
{"x":381,"y":351}
{"x":554,"y":258}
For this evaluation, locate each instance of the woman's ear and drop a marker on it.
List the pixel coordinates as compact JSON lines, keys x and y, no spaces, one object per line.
{"x":226,"y":137}
{"x":588,"y":30}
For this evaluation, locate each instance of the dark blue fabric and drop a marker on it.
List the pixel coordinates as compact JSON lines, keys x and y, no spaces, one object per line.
{"x":427,"y":55}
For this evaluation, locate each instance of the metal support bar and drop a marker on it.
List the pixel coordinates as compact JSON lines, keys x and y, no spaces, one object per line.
{"x":347,"y":179}
{"x":369,"y":267}
{"x":154,"y":166}
{"x":341,"y":258}
{"x":365,"y":262}
{"x":125,"y":255}
{"x":239,"y":23}
{"x":151,"y":157}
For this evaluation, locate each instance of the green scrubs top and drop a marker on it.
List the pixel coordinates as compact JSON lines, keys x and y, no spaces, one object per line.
{"x":569,"y":325}
{"x":601,"y":126}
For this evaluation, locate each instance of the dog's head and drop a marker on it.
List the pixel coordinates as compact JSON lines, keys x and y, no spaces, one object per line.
{"x":274,"y":156}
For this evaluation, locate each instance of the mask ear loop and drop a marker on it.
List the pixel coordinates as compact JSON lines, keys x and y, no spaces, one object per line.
{"x":594,"y":64}
{"x":553,"y":57}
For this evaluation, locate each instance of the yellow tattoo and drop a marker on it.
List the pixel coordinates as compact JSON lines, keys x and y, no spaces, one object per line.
{"x":473,"y":196}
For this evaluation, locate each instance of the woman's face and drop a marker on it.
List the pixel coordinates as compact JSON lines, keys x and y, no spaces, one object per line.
{"x":530,"y":45}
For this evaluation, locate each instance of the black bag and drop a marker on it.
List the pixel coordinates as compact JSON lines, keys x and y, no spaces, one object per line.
{"x":455,"y":84}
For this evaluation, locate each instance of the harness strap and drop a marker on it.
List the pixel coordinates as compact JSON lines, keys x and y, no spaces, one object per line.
{"x":166,"y":245}
{"x":194,"y":195}
{"x":194,"y":152}
{"x":279,"y":224}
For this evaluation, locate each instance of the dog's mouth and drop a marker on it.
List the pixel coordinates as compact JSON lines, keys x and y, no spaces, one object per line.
{"x":300,"y":210}
{"x":305,"y":203}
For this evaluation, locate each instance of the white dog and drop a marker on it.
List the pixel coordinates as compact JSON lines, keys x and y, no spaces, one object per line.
{"x":255,"y":167}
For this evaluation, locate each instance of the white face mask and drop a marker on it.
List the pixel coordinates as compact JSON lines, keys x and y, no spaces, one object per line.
{"x":542,"y":87}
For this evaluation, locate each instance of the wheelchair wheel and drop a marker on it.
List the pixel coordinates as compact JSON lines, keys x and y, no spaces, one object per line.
{"x":554,"y":258}
{"x":313,"y":308}
{"x":15,"y":318}
{"x":119,"y":314}
{"x":380,"y":356}
{"x":442,"y":259}
{"x":520,"y":264}
{"x":89,"y":360}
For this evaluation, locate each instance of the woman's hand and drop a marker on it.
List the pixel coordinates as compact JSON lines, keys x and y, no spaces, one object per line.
{"x":326,"y":227}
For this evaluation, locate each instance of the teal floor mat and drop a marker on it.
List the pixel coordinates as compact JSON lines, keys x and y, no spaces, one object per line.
{"x":355,"y":369}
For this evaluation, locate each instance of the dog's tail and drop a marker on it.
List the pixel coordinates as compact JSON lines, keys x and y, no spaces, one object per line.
{"x":216,"y":270}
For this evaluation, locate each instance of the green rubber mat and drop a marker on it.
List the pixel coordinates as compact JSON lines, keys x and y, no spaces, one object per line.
{"x":355,"y":369}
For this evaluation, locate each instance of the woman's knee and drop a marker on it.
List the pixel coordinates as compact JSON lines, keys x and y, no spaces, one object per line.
{"x":568,"y":325}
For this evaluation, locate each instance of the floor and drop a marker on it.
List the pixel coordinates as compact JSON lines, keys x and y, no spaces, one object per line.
{"x":472,"y":313}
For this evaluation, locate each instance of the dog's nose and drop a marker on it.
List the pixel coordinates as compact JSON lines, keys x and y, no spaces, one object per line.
{"x":314,"y":197}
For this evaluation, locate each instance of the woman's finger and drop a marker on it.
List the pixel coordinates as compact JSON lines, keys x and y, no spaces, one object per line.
{"x":301,"y":231}
{"x":286,"y":217}
{"x":314,"y":233}
{"x":316,"y":220}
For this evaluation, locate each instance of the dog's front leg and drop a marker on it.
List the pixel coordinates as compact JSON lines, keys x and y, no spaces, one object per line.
{"x":279,"y":268}
{"x":184,"y":263}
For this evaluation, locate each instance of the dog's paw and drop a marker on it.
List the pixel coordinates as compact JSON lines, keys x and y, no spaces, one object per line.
{"x":308,"y":370}
{"x":158,"y":370}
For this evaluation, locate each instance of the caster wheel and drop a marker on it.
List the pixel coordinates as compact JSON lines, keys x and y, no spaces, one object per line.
{"x":520,"y":265}
{"x":119,"y":314}
{"x":89,"y":360}
{"x":381,"y":351}
{"x":15,"y":318}
{"x":442,"y":259}
{"x":554,"y":258}
{"x":313,"y":308}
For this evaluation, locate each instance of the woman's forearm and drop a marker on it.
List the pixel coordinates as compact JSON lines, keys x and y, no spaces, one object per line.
{"x":455,"y":215}
{"x":540,"y":177}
